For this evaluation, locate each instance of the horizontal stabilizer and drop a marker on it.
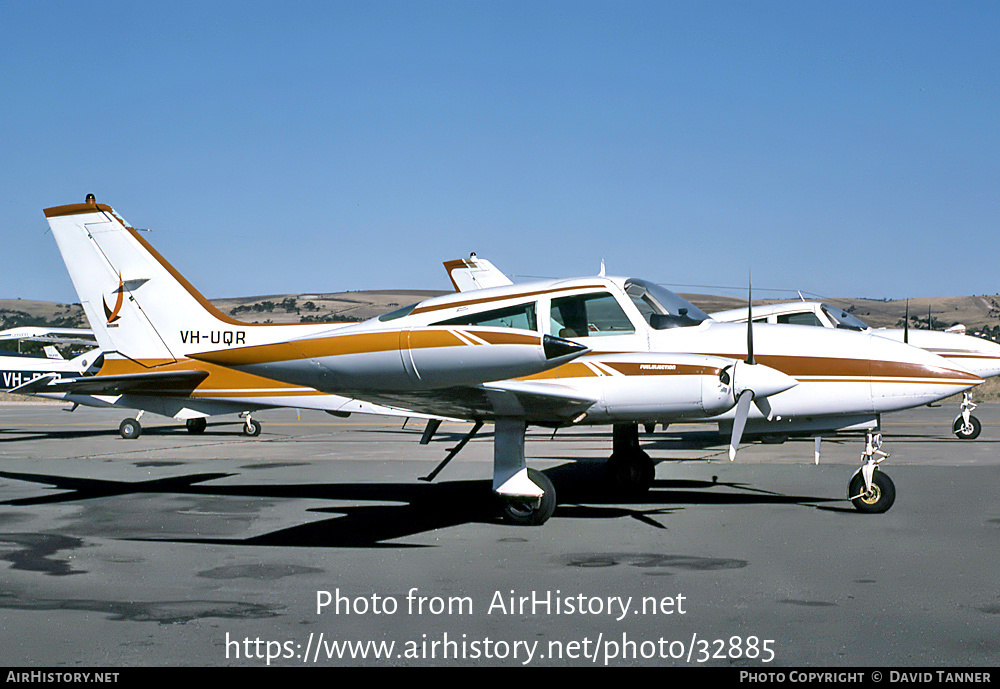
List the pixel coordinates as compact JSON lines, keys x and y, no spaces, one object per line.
{"x":154,"y":382}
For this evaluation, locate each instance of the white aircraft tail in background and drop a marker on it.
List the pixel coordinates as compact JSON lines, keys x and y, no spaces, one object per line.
{"x":474,"y":273}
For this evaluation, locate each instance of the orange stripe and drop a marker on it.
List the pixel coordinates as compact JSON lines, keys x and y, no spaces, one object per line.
{"x":487,"y":300}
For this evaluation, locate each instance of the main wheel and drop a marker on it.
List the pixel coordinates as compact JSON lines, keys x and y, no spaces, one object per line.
{"x":129,"y":429}
{"x":970,"y":433}
{"x":773,"y":438}
{"x":631,"y":473}
{"x":879,"y":499}
{"x":528,"y":512}
{"x":196,"y":425}
{"x":252,"y":428}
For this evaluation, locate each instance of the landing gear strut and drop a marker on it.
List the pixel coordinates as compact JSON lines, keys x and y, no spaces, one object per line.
{"x":967,"y":426}
{"x":870,"y":489}
{"x":630,"y":469}
{"x":528,"y":496}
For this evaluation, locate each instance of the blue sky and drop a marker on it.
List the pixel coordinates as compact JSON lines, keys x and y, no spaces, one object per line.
{"x":843,"y":149}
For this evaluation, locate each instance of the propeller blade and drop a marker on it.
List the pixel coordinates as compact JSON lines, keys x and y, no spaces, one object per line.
{"x":764,"y":406}
{"x":740,"y":422}
{"x":906,"y":324}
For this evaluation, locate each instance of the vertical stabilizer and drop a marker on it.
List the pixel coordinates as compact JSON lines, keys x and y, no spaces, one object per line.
{"x":139,"y":306}
{"x":474,"y":273}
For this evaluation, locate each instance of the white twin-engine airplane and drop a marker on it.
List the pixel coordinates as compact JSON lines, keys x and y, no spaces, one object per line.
{"x":838,"y":379}
{"x":975,"y":354}
{"x":151,"y":323}
{"x":504,"y":354}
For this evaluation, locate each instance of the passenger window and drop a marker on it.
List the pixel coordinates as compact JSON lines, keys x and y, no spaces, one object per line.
{"x":589,"y":315}
{"x":808,"y":318}
{"x":520,"y":316}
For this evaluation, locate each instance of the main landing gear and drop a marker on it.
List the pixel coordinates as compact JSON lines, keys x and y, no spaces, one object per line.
{"x":967,"y":426}
{"x":129,"y":429}
{"x":870,"y":489}
{"x":630,"y":470}
{"x":527,"y":495}
{"x":251,"y":427}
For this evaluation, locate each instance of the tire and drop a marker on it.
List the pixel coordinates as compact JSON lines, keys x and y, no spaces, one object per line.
{"x":882,"y":495}
{"x":631,"y":474}
{"x":527,"y":513}
{"x":253,"y":429}
{"x":197,"y":425}
{"x":130,"y":429}
{"x":774,"y":438}
{"x":977,"y":428}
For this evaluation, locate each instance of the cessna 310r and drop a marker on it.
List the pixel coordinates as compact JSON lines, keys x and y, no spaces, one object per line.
{"x":655,"y":357}
{"x":151,"y":323}
{"x":974,"y":354}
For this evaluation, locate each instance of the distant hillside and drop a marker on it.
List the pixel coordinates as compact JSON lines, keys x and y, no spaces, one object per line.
{"x":976,"y":312}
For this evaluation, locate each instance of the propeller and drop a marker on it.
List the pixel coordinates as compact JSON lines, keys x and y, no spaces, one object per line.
{"x":753,"y":383}
{"x":906,"y":324}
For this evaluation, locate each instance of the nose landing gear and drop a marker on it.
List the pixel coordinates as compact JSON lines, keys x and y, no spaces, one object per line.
{"x":870,"y":489}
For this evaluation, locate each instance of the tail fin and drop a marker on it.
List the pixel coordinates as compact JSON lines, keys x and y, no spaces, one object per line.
{"x":51,"y":352}
{"x":139,"y":306}
{"x":88,"y":362}
{"x":474,"y":273}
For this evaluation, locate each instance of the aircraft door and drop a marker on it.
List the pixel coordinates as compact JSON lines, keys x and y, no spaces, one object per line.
{"x":597,"y":320}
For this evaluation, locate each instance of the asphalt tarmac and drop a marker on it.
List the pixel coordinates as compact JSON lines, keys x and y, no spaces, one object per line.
{"x":315,"y":543}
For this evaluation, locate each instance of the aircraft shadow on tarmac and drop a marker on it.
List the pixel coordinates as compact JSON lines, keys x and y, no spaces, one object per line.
{"x":416,"y":508}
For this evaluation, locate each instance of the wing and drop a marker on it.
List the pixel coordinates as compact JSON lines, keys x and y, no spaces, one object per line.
{"x":154,"y":382}
{"x":539,"y":403}
{"x":77,"y":336}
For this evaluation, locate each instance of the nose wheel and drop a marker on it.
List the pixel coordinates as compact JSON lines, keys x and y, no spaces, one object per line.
{"x":870,"y":489}
{"x":875,"y":499}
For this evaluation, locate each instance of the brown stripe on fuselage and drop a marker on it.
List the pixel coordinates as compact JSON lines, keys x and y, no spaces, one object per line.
{"x":580,"y":369}
{"x":829,"y":367}
{"x":502,"y":338}
{"x":357,"y":343}
{"x":573,"y":369}
{"x":659,"y":369}
{"x":488,"y":300}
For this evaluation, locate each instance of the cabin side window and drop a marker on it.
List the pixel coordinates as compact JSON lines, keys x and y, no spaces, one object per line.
{"x":807,"y":318}
{"x":522,"y":316}
{"x":589,"y":315}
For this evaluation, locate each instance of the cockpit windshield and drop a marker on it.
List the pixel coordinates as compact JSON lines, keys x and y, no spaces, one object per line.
{"x":843,"y":319}
{"x":662,"y":308}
